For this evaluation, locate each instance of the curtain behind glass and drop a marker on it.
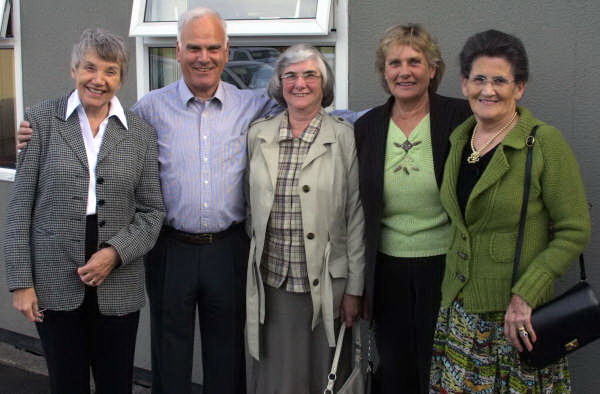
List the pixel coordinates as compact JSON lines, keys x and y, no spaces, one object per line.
{"x":7,"y":108}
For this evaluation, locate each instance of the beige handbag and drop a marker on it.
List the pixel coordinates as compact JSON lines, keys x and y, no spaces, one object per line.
{"x":355,"y":384}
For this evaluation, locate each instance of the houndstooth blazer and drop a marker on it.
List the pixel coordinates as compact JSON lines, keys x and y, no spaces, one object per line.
{"x":45,"y":232}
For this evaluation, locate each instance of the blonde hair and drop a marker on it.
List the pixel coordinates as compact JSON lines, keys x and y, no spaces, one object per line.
{"x":415,"y":36}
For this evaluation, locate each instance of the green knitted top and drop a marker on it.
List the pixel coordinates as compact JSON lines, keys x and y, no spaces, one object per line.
{"x":414,"y":223}
{"x":480,"y":258}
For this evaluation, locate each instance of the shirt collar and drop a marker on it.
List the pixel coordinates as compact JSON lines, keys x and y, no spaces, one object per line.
{"x":308,"y":135}
{"x":186,"y":95}
{"x":115,"y":108}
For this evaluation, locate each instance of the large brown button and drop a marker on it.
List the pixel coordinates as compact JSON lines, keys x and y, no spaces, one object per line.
{"x":305,"y":188}
{"x":310,"y":236}
{"x":316,"y":282}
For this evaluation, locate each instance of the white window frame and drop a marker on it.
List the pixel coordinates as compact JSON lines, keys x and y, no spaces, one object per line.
{"x":8,"y":174}
{"x":263,"y":27}
{"x":252,"y":33}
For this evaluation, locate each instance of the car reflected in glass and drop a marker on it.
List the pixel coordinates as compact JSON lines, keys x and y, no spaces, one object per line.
{"x":248,"y":74}
{"x":260,"y":54}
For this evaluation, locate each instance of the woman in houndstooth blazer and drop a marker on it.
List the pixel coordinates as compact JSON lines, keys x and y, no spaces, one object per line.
{"x":86,"y":206}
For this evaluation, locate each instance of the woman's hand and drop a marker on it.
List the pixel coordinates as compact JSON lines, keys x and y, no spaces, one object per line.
{"x":517,"y":324}
{"x":99,"y":266}
{"x":350,"y":309}
{"x":25,"y":301}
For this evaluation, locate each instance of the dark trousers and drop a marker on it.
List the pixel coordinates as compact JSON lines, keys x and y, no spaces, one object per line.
{"x":407,"y":299}
{"x":210,"y":278}
{"x":75,"y":340}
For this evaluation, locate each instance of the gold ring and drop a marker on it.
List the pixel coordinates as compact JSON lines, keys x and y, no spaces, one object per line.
{"x":523,"y":331}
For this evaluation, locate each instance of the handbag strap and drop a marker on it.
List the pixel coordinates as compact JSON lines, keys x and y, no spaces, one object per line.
{"x":527,"y":186}
{"x":338,"y":350}
{"x":529,"y":142}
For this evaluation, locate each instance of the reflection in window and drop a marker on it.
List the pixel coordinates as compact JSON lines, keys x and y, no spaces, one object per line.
{"x":164,"y":67}
{"x":169,"y":11}
{"x":5,"y":22}
{"x":253,"y":72}
{"x":7,"y":108}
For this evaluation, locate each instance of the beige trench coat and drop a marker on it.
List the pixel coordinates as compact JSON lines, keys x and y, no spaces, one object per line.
{"x":332,"y":218}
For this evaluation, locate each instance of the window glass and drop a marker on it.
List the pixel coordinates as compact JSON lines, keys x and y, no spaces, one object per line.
{"x":245,"y":74}
{"x":5,"y":23}
{"x":239,"y":55}
{"x":168,"y":11}
{"x":7,"y":108}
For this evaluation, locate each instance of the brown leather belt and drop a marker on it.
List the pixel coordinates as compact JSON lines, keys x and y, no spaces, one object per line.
{"x":200,"y":238}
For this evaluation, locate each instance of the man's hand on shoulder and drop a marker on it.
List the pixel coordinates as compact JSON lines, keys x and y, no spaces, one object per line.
{"x":23,"y":134}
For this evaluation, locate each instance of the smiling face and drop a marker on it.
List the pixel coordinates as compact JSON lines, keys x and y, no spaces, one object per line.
{"x":303,"y":95}
{"x":202,"y":52}
{"x":96,"y":81}
{"x":407,"y":73}
{"x":492,"y":103}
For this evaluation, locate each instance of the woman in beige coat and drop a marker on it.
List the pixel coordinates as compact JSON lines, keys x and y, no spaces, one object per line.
{"x":305,"y":271}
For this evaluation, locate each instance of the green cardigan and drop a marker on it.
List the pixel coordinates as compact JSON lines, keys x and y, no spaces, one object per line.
{"x":480,"y":259}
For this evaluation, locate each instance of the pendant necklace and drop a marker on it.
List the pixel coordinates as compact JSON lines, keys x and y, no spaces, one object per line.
{"x":475,"y":154}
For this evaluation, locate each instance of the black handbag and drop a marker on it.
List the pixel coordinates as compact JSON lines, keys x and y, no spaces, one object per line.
{"x":568,"y":322}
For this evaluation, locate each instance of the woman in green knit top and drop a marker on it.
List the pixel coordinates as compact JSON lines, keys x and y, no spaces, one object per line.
{"x":402,"y":147}
{"x":484,"y":322}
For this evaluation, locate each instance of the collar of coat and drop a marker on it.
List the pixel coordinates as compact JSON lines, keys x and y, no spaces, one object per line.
{"x":269,"y":131}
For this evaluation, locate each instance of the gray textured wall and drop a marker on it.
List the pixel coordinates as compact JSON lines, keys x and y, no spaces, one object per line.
{"x":48,"y":31}
{"x":562,"y":39}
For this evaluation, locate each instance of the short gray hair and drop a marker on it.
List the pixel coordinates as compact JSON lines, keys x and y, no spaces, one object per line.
{"x":199,"y":12}
{"x":108,"y":46}
{"x":296,"y":54}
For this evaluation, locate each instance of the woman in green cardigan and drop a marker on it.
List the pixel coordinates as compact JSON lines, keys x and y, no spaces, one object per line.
{"x":484,"y":322}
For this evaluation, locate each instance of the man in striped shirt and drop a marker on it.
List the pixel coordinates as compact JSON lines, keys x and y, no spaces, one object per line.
{"x":200,"y":259}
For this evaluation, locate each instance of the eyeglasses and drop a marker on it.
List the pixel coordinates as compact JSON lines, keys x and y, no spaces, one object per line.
{"x":308,"y":77}
{"x":497,"y":82}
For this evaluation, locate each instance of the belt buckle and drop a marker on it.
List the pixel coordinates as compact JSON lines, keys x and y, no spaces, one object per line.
{"x":205,"y":238}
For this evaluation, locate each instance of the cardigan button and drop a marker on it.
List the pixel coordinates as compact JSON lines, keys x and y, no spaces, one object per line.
{"x":310,"y":236}
{"x":102,"y":223}
{"x":316,"y":282}
{"x":99,"y":180}
{"x":463,"y":255}
{"x":305,"y":188}
{"x":463,"y":236}
{"x":101,"y":203}
{"x":460,"y":277}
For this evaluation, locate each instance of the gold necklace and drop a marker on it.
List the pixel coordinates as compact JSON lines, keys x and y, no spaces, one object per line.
{"x":475,"y":155}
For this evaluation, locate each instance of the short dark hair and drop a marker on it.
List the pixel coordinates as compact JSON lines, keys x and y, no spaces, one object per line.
{"x":494,"y":43}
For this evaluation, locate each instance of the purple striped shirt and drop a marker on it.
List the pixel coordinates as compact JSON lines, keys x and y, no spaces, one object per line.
{"x":202,"y":152}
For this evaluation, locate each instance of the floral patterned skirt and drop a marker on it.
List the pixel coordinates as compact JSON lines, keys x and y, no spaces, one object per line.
{"x":472,"y":355}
